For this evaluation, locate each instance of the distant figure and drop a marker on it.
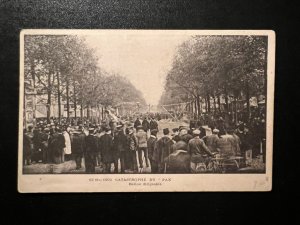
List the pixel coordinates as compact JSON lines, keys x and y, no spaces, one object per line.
{"x":146,"y":124}
{"x":137,"y":123}
{"x":153,"y":124}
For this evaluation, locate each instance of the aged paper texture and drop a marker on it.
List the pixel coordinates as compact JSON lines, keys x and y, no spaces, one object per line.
{"x":146,"y":110}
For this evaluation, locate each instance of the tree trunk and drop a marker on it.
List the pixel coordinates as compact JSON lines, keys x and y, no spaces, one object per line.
{"x":195,"y":111}
{"x":198,"y":107}
{"x":58,"y":97}
{"x":75,"y":100}
{"x":205,"y":100}
{"x":226,"y":101}
{"x":235,"y":109}
{"x":88,"y":112}
{"x":32,"y":73}
{"x":248,"y":102}
{"x":208,"y":103}
{"x":68,"y":103}
{"x":215,"y":105}
{"x":81,"y":110}
{"x":219,"y":103}
{"x":49,"y":98}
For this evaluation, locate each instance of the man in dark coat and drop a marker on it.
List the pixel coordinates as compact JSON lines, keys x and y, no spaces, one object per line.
{"x":37,"y":146}
{"x":26,"y":148}
{"x":151,"y":143}
{"x":45,"y":138}
{"x":133,"y":146}
{"x":198,"y":150}
{"x":163,"y":149}
{"x":78,"y":146}
{"x":179,"y":160}
{"x":184,"y":135}
{"x":211,"y":140}
{"x":90,"y":152}
{"x":106,"y":145}
{"x":120,"y":142}
{"x":57,"y":144}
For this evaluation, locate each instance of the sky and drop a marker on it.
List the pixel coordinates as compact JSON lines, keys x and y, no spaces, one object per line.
{"x":144,"y":59}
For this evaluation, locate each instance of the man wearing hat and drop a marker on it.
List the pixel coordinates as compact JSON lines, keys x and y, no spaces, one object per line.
{"x":176,"y":136}
{"x":57,"y":145}
{"x":163,"y":149}
{"x":120,"y":143}
{"x":142,"y":145}
{"x":151,"y":143}
{"x":90,"y":152}
{"x":132,"y":146}
{"x":100,"y":132}
{"x":67,"y":149}
{"x":106,"y":145}
{"x":211,"y":140}
{"x":78,"y":146}
{"x":179,"y":160}
{"x":184,"y":135}
{"x":45,"y":143}
{"x":198,"y":150}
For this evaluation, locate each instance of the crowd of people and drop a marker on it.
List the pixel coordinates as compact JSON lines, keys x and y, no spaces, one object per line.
{"x":134,"y":145}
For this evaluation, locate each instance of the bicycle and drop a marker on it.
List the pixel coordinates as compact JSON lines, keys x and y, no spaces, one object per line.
{"x":223,"y":164}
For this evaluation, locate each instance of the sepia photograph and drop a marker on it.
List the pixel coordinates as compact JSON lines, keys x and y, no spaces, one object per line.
{"x":146,"y":110}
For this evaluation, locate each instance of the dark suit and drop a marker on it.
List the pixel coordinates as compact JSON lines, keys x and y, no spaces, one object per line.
{"x":163,"y":150}
{"x":106,"y":145}
{"x":121,"y":143}
{"x":90,"y":153}
{"x":78,"y":146}
{"x":57,"y":144}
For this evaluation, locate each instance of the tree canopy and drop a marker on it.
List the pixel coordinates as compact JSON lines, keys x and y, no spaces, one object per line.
{"x":209,"y":67}
{"x":64,"y":68}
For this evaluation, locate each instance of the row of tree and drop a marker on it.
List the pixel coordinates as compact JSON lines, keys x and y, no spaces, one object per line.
{"x":65,"y":70}
{"x":210,"y":68}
